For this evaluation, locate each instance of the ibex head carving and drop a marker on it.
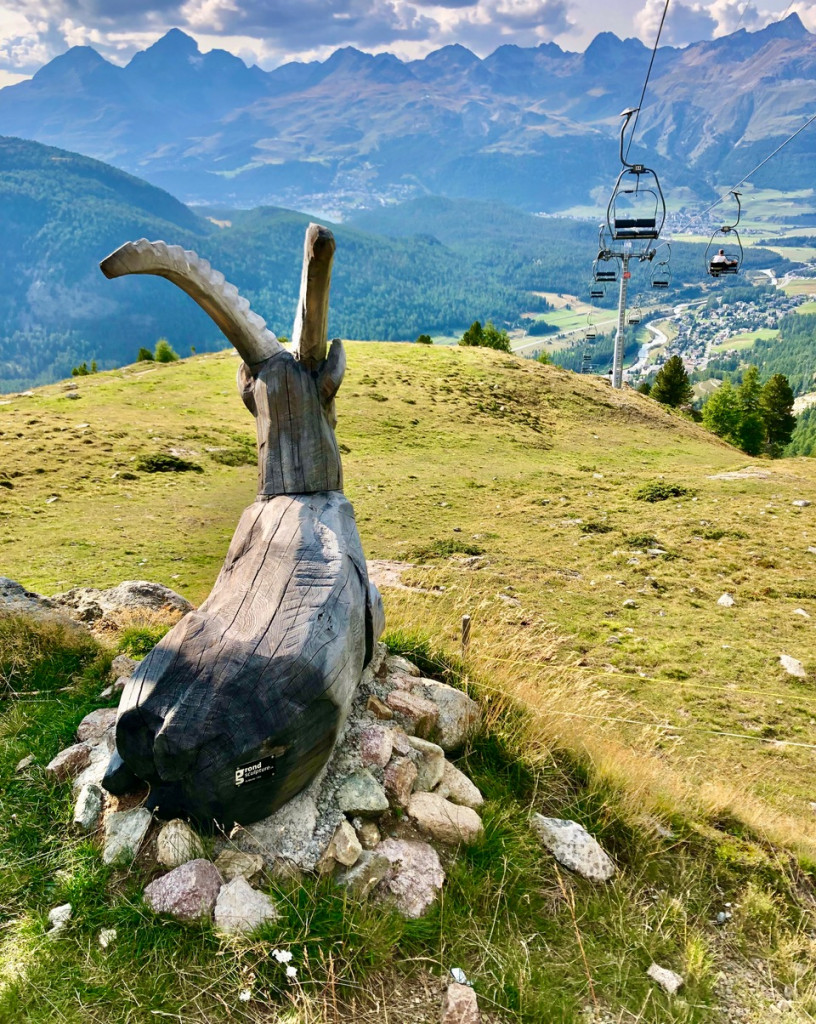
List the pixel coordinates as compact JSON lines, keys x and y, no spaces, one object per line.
{"x":291,"y":394}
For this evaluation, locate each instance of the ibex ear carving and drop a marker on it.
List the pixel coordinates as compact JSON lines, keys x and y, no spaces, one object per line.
{"x":290,"y":394}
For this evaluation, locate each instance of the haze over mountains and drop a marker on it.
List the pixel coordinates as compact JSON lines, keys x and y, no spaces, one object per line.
{"x":534,"y":127}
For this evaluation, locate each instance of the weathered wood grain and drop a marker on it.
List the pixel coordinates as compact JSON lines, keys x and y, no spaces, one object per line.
{"x":234,"y":711}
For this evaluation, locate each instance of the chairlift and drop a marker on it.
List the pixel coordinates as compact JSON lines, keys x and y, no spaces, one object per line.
{"x":605,"y":268}
{"x":727,"y":259}
{"x":637,"y":208}
{"x":597,"y":291}
{"x":635,"y":315}
{"x":590,"y":334}
{"x":660,"y":276}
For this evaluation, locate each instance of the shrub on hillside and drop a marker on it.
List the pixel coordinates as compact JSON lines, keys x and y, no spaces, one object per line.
{"x":160,"y":462}
{"x":659,"y":490}
{"x":144,"y":356}
{"x":444,"y":549}
{"x":488,"y":336}
{"x":424,"y":339}
{"x":672,"y":385}
{"x":164,"y":352}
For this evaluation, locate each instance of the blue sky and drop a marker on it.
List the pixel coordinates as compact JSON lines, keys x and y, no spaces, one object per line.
{"x":269,"y":32}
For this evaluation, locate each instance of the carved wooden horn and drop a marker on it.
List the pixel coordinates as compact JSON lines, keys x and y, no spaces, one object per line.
{"x":311,"y":330}
{"x":221,"y":300}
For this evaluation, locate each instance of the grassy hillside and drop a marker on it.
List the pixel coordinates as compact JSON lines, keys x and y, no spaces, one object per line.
{"x":515,"y":493}
{"x":535,"y":467}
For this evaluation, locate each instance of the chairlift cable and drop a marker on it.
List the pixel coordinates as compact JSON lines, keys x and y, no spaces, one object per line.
{"x":762,"y":163}
{"x":648,"y":74}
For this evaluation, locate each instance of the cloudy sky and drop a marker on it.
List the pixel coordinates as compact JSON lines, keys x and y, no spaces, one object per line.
{"x":269,"y":32}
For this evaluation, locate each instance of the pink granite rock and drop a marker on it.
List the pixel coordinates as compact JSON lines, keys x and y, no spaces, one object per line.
{"x":418,"y":714}
{"x":415,"y":877}
{"x":375,"y":746}
{"x":459,"y":1005}
{"x":445,"y":821}
{"x":94,"y":726}
{"x":400,"y":777}
{"x":188,"y":892}
{"x":69,"y":762}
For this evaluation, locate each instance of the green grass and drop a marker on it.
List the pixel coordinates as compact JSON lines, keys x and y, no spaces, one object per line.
{"x":680,"y":706}
{"x":539,"y":943}
{"x":745,"y":339}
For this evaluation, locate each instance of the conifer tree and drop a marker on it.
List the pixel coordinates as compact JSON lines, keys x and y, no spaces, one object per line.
{"x":672,"y":385}
{"x":776,"y":409}
{"x":751,"y":431}
{"x":721,"y":413}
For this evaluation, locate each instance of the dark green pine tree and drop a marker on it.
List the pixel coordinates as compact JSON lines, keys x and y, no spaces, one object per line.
{"x":473,"y":335}
{"x":751,"y":431}
{"x":776,"y":409}
{"x":672,"y":385}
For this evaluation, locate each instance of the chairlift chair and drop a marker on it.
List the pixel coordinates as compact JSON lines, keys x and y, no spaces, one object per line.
{"x":660,"y":277}
{"x":637,"y":209}
{"x":597,"y":291}
{"x":634,"y":316}
{"x":725,"y":261}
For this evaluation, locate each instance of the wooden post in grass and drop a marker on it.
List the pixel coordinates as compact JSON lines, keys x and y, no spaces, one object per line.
{"x":238,"y":707}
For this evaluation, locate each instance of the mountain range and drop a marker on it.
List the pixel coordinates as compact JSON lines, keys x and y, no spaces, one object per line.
{"x":534,"y":127}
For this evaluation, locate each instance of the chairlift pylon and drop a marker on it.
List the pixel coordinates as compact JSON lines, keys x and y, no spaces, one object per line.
{"x":637,"y":209}
{"x":724,"y":262}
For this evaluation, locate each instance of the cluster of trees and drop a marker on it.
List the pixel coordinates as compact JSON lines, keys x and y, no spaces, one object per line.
{"x":163,"y":353}
{"x":803,"y":440}
{"x":488,"y":336}
{"x":755,"y":417}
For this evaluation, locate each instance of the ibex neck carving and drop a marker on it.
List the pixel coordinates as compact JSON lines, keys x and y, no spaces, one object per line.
{"x":238,"y":707}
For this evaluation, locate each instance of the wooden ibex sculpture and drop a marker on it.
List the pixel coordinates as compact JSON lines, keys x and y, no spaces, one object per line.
{"x":238,"y":707}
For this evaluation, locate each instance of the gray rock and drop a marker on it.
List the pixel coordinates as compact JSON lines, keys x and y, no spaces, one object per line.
{"x":726,"y":601}
{"x":445,"y":821}
{"x":88,"y":807}
{"x":801,"y":612}
{"x":415,"y":875}
{"x":240,"y":909}
{"x":93,"y":727}
{"x":107,"y":936}
{"x":343,"y":848}
{"x":188,"y":892}
{"x":460,"y":1005}
{"x":124,"y":834}
{"x":58,"y":918}
{"x":369,"y":870}
{"x":802,"y":503}
{"x":458,"y":788}
{"x":430,"y":762}
{"x":666,"y":979}
{"x":362,"y":794}
{"x":15,"y":598}
{"x":237,"y":864}
{"x":286,"y":835}
{"x":573,"y":847}
{"x":23,"y":763}
{"x":458,"y":714}
{"x":123,"y":665}
{"x":396,"y":665}
{"x":629,"y":603}
{"x":400,"y":777}
{"x":69,"y":762}
{"x":88,"y":604}
{"x":177,"y":843}
{"x":792,"y":666}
